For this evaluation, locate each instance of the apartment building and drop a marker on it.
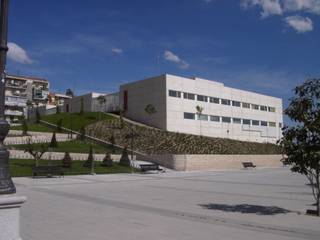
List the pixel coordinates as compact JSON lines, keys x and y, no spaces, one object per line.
{"x":203,"y":107}
{"x":21,"y":91}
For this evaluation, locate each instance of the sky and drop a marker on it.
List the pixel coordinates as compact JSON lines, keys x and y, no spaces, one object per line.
{"x":266,"y":46}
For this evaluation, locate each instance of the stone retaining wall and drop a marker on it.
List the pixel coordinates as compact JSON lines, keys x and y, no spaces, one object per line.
{"x":212,"y":162}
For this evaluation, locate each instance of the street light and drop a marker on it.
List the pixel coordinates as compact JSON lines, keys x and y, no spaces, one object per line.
{"x":6,"y":184}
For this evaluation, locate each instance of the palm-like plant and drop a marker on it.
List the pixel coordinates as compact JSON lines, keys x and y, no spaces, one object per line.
{"x":199,"y":111}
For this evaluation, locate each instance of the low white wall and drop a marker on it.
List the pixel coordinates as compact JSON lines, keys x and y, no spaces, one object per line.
{"x":212,"y":162}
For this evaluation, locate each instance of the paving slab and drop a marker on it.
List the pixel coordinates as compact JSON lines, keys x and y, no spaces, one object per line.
{"x":261,"y":203}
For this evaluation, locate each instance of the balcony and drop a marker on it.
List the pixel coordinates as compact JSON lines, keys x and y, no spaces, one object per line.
{"x":16,"y":101}
{"x":13,"y":113}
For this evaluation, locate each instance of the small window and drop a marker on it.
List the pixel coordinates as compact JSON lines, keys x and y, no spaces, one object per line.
{"x":236,"y":104}
{"x":255,"y":123}
{"x":215,"y":118}
{"x":225,"y":102}
{"x":173,"y":93}
{"x":189,"y":96}
{"x":189,"y":116}
{"x":236,"y":120}
{"x":246,"y":121}
{"x":255,"y":106}
{"x":264,"y":123}
{"x":272,"y":124}
{"x":214,"y":100}
{"x":280,"y":125}
{"x":263,"y":108}
{"x":203,"y":117}
{"x":245,"y":105}
{"x":202,"y":98}
{"x":226,"y":119}
{"x":271,"y":109}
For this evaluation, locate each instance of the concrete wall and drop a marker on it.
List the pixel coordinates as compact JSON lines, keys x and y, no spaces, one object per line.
{"x":212,"y":162}
{"x":144,"y":92}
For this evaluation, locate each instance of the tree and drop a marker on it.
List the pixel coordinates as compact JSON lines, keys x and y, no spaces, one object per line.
{"x":199,"y":111}
{"x":24,"y":127}
{"x":59,"y":125}
{"x":89,"y":162}
{"x":301,"y":143}
{"x":124,"y":160}
{"x":38,"y":116}
{"x":81,"y":106}
{"x":82,"y":133}
{"x":69,"y":93}
{"x":102,"y":100}
{"x":67,"y":160}
{"x":36,"y":152}
{"x":107,"y":161}
{"x":58,"y":111}
{"x":121,"y":114}
{"x":113,"y":142}
{"x":53,"y":143}
{"x":29,"y":105}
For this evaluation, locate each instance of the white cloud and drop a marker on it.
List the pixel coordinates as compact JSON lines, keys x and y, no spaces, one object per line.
{"x":171,"y":57}
{"x":268,"y":7}
{"x":117,"y":50}
{"x":300,"y":24}
{"x":18,"y":54}
{"x":312,"y":6}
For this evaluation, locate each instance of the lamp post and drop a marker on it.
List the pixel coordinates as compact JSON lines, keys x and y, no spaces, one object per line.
{"x":6,"y":184}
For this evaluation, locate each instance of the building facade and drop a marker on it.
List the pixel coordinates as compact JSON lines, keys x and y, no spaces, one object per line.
{"x":22,"y":93}
{"x":203,"y":107}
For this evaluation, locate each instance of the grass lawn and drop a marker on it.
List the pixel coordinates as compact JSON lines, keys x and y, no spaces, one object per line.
{"x":23,"y":167}
{"x":74,"y":146}
{"x":76,"y":121}
{"x":34,"y":127}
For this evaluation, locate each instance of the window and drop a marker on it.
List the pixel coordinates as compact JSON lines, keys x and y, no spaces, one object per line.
{"x":280,"y":125}
{"x":188,"y":96}
{"x":203,"y":117}
{"x":225,"y":102}
{"x":271,"y":109}
{"x":264,"y":123}
{"x":255,"y":123}
{"x":255,"y":107}
{"x":189,"y":115}
{"x":246,"y":121}
{"x":215,"y":118}
{"x":263,"y":108}
{"x":214,"y":100}
{"x":236,"y":103}
{"x":202,"y":98}
{"x":245,"y":105}
{"x":272,"y":124}
{"x":173,"y":93}
{"x":236,"y":120}
{"x":226,"y":119}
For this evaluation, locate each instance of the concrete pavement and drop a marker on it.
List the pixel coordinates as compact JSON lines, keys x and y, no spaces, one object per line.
{"x":245,"y":204}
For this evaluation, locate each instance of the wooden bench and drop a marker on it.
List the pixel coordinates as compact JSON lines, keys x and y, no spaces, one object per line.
{"x":47,"y":171}
{"x":150,"y":167}
{"x":248,"y":165}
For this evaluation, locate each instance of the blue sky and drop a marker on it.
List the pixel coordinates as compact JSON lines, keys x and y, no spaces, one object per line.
{"x":267,"y":46}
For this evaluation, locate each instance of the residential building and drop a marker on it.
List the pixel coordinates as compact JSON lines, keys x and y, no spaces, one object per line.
{"x":226,"y":112}
{"x":21,"y":91}
{"x":57,"y":99}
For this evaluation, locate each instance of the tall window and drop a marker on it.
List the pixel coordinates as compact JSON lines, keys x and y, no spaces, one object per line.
{"x":246,"y":122}
{"x":225,"y":102}
{"x":264,"y":123}
{"x":226,"y":119}
{"x":236,"y":120}
{"x":214,"y":100}
{"x":245,"y":105}
{"x":202,"y":98}
{"x":263,"y":108}
{"x":203,"y":117}
{"x":236,"y":103}
{"x":272,"y":124}
{"x":189,"y":96}
{"x":173,"y":93}
{"x":255,"y":123}
{"x":187,"y":115}
{"x":271,"y":109}
{"x":255,"y":106}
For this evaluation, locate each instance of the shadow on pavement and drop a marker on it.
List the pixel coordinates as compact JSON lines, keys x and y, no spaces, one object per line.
{"x":246,"y":208}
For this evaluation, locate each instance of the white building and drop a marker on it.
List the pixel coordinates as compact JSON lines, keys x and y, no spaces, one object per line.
{"x":227,"y":112}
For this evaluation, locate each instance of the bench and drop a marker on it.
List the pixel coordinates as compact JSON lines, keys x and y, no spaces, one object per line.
{"x":150,"y":167}
{"x":248,"y":165}
{"x":47,"y":171}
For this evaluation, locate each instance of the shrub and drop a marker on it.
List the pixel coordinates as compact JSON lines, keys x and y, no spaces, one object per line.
{"x":124,"y":160}
{"x":59,"y":125}
{"x":90,"y":159}
{"x":67,"y":160}
{"x":58,"y":110}
{"x":53,"y":143}
{"x":82,"y":133}
{"x":38,"y":116}
{"x":24,"y":127}
{"x":107,"y":161}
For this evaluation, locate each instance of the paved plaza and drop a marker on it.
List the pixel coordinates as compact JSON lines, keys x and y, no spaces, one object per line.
{"x":246,"y":204}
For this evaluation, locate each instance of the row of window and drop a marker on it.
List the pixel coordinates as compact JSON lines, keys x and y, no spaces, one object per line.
{"x":205,"y":117}
{"x":202,"y":98}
